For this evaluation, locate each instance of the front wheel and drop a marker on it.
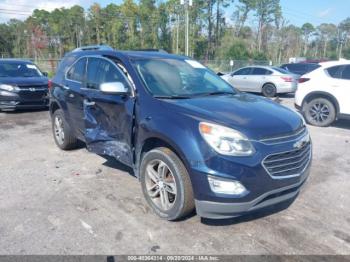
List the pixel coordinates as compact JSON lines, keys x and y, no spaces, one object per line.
{"x":319,"y":112}
{"x":166,"y":184}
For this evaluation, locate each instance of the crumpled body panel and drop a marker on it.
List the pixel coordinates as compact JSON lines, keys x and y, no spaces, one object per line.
{"x":108,"y":128}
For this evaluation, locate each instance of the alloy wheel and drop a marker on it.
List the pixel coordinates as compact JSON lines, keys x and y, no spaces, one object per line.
{"x":319,"y":112}
{"x":160,"y":185}
{"x":59,"y":130}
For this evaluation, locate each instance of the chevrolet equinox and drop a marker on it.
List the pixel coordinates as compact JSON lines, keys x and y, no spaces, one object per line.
{"x":193,"y":141}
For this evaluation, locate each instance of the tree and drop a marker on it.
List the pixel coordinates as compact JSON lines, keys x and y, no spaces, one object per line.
{"x":307,"y":30}
{"x":242,"y":12}
{"x":266,"y":12}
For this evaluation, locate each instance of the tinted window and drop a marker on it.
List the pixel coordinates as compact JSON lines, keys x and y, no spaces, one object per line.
{"x":77,"y":72}
{"x":335,"y":71}
{"x":243,"y":71}
{"x":102,"y":71}
{"x":261,"y":71}
{"x":18,"y":69}
{"x":300,"y":69}
{"x":281,"y":70}
{"x":346,"y":72}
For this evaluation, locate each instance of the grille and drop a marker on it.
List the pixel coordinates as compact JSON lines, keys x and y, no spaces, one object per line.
{"x":288,"y":164}
{"x":33,"y":92}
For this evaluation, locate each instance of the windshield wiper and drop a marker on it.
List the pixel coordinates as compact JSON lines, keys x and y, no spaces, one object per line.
{"x":173,"y":97}
{"x":216,"y":93}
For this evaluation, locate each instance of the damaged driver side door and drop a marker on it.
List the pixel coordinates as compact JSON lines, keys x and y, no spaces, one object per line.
{"x":108,"y":110}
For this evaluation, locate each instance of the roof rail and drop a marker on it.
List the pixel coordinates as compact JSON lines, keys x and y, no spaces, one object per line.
{"x":93,"y":47}
{"x":151,"y":50}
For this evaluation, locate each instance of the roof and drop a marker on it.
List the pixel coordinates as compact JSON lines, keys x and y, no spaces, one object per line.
{"x":335,"y":63}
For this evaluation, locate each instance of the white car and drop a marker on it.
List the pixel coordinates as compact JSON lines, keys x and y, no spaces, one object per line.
{"x":267,"y":80}
{"x":323,"y":95}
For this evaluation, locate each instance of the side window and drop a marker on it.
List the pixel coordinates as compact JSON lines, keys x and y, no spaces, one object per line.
{"x":335,"y":71}
{"x":243,"y":71}
{"x":346,"y":72}
{"x":102,"y":71}
{"x":260,"y":71}
{"x":77,"y":71}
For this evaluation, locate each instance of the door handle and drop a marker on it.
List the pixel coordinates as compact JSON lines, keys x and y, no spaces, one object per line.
{"x":89,"y":103}
{"x":71,"y":95}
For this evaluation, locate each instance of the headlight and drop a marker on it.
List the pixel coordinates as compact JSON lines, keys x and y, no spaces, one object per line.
{"x":10,"y":88}
{"x":225,"y":140}
{"x":302,"y":118}
{"x":230,"y":187}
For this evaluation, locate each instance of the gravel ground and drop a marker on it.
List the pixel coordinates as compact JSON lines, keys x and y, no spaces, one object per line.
{"x":55,"y":202}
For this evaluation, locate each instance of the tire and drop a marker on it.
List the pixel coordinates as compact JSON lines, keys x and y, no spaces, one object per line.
{"x":174,"y":179}
{"x":319,"y":112}
{"x":269,"y":90}
{"x":62,"y":133}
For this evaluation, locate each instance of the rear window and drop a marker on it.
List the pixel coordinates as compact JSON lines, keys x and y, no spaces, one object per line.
{"x":281,"y":70}
{"x":300,"y":69}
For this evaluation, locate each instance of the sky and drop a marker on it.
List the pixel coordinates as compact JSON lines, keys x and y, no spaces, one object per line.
{"x":297,"y":12}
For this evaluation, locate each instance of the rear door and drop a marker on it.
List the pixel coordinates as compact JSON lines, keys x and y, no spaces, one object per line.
{"x":73,"y":94}
{"x":257,"y":79}
{"x":239,"y":78}
{"x":108,"y":117}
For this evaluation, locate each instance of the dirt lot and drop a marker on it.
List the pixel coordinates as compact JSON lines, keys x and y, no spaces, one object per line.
{"x":55,"y":202}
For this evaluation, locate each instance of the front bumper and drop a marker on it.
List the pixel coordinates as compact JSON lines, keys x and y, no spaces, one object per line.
{"x":265,"y":185}
{"x":219,"y":210}
{"x":12,"y":101}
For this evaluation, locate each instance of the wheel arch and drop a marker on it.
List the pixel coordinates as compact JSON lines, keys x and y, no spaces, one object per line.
{"x":322,"y":94}
{"x":154,"y":142}
{"x":53,"y":107}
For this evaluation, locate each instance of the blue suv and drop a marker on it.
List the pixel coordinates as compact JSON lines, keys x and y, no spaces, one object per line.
{"x":193,"y":141}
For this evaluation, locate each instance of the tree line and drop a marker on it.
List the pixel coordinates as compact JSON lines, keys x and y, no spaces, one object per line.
{"x":218,"y":30}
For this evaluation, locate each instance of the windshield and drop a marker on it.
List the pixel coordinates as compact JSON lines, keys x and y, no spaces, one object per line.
{"x":180,"y":78}
{"x":14,"y":69}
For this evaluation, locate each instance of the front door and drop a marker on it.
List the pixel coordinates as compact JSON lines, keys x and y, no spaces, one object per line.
{"x":108,"y":117}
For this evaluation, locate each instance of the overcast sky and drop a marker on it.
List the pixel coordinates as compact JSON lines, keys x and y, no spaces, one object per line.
{"x":297,"y":12}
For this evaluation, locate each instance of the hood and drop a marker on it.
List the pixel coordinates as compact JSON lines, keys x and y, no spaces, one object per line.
{"x":24,"y":81}
{"x":254,"y":116}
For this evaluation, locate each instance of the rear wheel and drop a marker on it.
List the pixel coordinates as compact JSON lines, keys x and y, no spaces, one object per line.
{"x":269,"y":90}
{"x":62,"y":133}
{"x":319,"y":112}
{"x":166,"y":184}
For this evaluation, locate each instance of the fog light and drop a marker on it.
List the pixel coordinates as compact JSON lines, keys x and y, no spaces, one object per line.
{"x":230,"y":187}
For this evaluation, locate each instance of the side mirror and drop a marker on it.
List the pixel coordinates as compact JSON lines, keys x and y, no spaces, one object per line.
{"x":114,"y":88}
{"x":45,"y":74}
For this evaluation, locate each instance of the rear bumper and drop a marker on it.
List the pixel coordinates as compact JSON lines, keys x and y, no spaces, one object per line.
{"x":290,"y":88}
{"x":220,"y":210}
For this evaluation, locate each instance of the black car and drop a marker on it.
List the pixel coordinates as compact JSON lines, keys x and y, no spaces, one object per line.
{"x":300,"y":68}
{"x":22,"y":85}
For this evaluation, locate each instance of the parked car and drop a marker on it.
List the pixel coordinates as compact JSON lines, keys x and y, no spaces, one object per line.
{"x":191,"y":138}
{"x":263,"y":79}
{"x":323,"y":95}
{"x":22,"y":85}
{"x":300,"y":68}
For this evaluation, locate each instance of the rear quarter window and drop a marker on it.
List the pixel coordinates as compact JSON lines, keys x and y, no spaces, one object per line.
{"x":334,"y":71}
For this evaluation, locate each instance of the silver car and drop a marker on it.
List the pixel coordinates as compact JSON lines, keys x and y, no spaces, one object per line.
{"x":267,"y":80}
